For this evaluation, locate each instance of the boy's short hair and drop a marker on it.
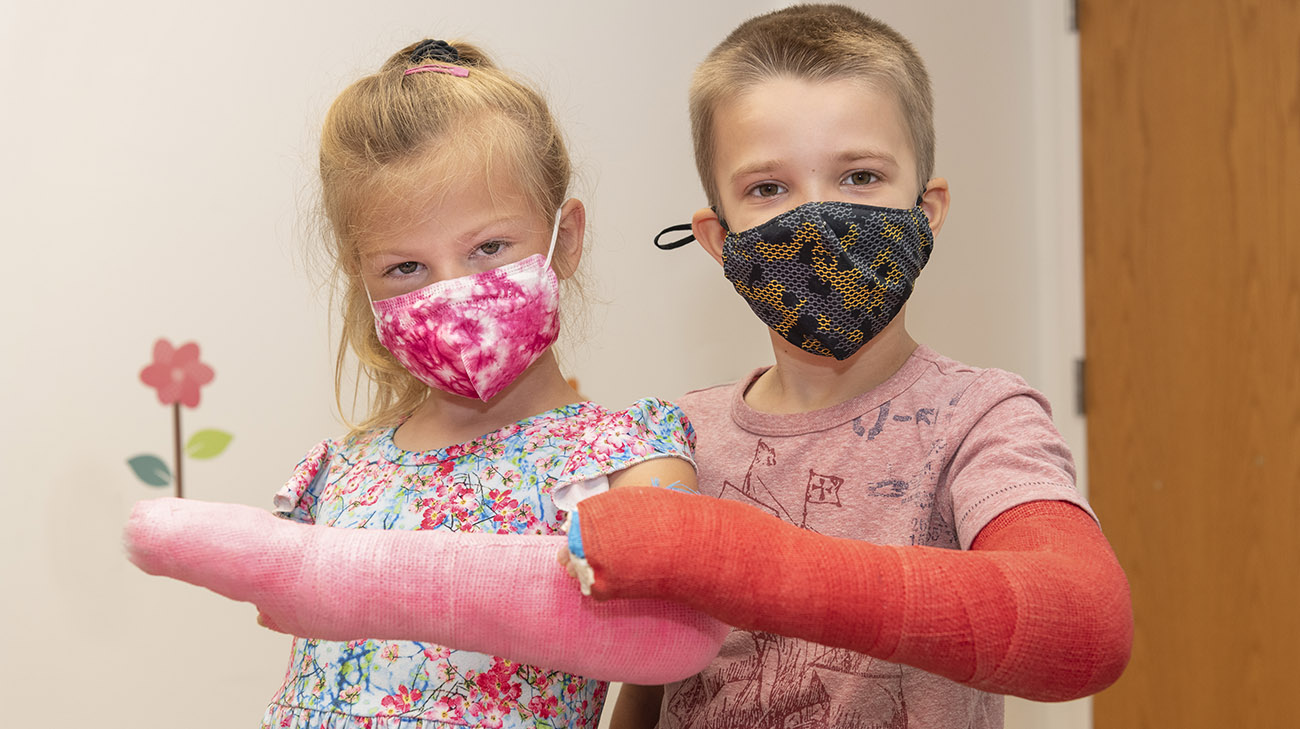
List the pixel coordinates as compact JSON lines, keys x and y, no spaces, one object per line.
{"x":816,"y":43}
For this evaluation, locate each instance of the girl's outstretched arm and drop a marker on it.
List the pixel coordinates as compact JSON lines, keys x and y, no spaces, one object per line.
{"x":1039,"y":607}
{"x":497,"y":594}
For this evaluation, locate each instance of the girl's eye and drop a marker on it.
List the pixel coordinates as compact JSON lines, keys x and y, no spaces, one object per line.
{"x":406,"y":268}
{"x":766,"y":189}
{"x":861,"y":177}
{"x":491,"y":248}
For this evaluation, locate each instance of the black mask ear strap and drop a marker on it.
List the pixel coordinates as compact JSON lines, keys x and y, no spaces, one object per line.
{"x":721,"y":220}
{"x":674,"y":243}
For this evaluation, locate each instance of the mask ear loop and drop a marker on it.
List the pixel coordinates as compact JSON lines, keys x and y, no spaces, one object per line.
{"x":555,"y":235}
{"x":920,"y":202}
{"x":689,"y":237}
{"x":674,"y":243}
{"x":374,"y":315}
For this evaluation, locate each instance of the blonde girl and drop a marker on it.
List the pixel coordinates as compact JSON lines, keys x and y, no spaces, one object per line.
{"x":445,"y":186}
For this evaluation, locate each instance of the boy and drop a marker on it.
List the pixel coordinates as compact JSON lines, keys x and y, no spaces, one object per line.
{"x":857,"y":436}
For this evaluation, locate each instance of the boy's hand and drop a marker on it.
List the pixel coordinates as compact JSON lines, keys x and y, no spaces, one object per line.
{"x":571,"y":556}
{"x":567,"y":562}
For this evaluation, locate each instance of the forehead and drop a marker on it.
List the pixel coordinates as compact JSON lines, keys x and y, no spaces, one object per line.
{"x":786,"y":118}
{"x":454,"y":187}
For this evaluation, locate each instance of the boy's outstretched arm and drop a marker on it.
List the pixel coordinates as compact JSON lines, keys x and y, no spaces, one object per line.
{"x":1039,"y":607}
{"x":637,"y":707}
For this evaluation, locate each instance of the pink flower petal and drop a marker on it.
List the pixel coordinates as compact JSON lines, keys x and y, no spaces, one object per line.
{"x":189,"y":393}
{"x":163,"y":352}
{"x":186,"y":354}
{"x":200,"y":373}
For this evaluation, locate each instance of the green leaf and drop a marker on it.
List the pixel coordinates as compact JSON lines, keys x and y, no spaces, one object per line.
{"x":151,"y":470}
{"x":208,"y":443}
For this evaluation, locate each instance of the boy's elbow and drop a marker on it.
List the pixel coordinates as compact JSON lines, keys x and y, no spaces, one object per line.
{"x":1097,"y":651}
{"x":1091,"y":672}
{"x":1115,"y":639}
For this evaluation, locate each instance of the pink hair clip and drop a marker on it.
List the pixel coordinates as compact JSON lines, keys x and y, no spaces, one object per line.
{"x":439,"y":68}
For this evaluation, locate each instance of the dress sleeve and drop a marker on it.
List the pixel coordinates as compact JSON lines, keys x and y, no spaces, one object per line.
{"x":296,"y":501}
{"x":650,"y":428}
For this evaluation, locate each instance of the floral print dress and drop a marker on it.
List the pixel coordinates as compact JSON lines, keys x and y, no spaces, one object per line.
{"x":498,"y":483}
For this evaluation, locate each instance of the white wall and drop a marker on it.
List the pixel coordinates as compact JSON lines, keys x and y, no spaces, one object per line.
{"x":154,"y":178}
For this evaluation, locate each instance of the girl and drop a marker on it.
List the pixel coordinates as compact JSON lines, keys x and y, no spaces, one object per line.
{"x":444,"y":183}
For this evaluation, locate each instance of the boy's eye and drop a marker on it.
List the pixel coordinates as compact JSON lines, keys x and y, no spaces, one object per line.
{"x":766,"y":189}
{"x":861,"y":177}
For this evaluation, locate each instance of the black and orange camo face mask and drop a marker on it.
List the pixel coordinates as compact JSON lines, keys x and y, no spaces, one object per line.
{"x":828,"y":276}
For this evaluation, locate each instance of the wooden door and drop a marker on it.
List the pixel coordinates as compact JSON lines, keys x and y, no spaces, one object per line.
{"x":1191,"y":186}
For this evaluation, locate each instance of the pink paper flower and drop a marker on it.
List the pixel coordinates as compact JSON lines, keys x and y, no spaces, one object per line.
{"x":176,"y":373}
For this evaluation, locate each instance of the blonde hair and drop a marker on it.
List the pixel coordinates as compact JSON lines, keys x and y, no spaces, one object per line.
{"x":391,"y":140}
{"x":814,"y":43}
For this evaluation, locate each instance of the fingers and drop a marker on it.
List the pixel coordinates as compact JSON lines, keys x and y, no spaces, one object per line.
{"x":566,"y":561}
{"x":265,"y":621}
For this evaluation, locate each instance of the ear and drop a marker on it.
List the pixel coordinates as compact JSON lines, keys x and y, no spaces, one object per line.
{"x":568,"y":242}
{"x":709,"y":232}
{"x":934,"y":201}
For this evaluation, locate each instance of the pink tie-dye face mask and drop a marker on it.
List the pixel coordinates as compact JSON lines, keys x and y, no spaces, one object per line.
{"x":472,"y":336}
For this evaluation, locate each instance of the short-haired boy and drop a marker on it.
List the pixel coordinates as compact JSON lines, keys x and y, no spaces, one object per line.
{"x":815,"y":145}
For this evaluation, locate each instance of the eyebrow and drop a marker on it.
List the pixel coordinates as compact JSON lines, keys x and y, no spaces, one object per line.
{"x":754,"y":168}
{"x":853,"y":155}
{"x":877,"y":155}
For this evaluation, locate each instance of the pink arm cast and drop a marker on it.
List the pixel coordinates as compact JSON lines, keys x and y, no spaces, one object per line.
{"x":503,"y":595}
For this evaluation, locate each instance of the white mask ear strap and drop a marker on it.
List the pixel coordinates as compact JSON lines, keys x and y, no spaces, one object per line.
{"x":373,"y":313}
{"x":555,"y":235}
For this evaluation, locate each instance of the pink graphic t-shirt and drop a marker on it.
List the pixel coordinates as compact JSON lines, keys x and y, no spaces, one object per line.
{"x":927,"y":458}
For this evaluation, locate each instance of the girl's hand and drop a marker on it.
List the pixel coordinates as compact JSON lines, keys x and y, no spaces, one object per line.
{"x":266,"y":622}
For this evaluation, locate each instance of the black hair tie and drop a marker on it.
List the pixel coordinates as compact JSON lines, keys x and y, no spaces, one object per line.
{"x":435,"y":50}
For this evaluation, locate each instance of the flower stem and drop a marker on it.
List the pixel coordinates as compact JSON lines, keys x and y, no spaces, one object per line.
{"x":176,"y":432}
